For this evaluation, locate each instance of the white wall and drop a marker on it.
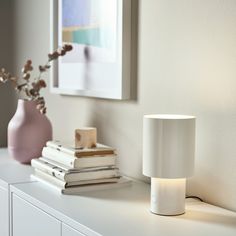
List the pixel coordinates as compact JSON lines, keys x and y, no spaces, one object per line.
{"x":186,"y":65}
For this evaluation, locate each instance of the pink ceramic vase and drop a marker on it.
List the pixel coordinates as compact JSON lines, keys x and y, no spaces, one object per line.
{"x":28,"y":132}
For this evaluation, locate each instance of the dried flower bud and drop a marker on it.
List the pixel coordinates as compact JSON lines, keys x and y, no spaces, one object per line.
{"x":33,"y":92}
{"x":27,"y":67}
{"x":68,"y":47}
{"x":35,"y":86}
{"x":40,"y":106}
{"x":26,"y":76}
{"x":32,"y":88}
{"x":55,"y":55}
{"x":39,"y":99}
{"x":50,"y":56}
{"x":21,"y":86}
{"x":43,"y":110}
{"x":62,"y":53}
{"x":42,"y":83}
{"x":42,"y":102}
{"x":29,"y":62}
{"x":42,"y":68}
{"x":6,"y":76}
{"x":23,"y":70}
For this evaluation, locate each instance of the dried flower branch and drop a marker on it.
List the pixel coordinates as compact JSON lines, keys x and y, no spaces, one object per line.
{"x":31,"y":89}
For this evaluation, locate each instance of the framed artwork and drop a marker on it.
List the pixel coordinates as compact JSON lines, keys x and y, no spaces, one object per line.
{"x":100,"y":33}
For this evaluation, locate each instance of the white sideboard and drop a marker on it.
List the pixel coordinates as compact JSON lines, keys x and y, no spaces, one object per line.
{"x":36,"y":209}
{"x":11,"y":172}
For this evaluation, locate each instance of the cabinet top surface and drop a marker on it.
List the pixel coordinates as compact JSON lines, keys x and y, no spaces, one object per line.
{"x":125,"y":211}
{"x":11,"y":171}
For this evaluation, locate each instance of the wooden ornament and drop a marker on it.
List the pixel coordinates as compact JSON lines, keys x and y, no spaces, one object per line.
{"x":85,"y":137}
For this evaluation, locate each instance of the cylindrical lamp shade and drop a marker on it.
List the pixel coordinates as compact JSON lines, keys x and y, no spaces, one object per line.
{"x":168,"y":146}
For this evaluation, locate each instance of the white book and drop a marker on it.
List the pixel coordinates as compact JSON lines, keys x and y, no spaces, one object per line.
{"x":75,"y":175}
{"x":55,"y":163}
{"x":76,"y":190}
{"x":100,"y":149}
{"x":73,"y":162}
{"x":63,"y":185}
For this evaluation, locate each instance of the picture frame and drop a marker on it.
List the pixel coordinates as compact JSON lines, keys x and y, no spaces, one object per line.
{"x":100,"y":62}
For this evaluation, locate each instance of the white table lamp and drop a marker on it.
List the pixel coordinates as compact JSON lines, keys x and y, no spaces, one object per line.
{"x":168,"y":158}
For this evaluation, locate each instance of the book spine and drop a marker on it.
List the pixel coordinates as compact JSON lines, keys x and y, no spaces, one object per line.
{"x":87,"y":188}
{"x":71,"y":162}
{"x":58,"y":156}
{"x":51,"y":179}
{"x":60,"y":148}
{"x":97,"y":161}
{"x":56,"y":163}
{"x":101,"y":150}
{"x":49,"y":169}
{"x":91,"y":175}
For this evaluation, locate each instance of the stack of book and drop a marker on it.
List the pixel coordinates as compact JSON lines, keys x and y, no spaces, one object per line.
{"x":75,"y":170}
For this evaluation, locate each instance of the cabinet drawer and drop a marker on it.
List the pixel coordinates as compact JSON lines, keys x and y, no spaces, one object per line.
{"x":28,"y":220}
{"x":4,"y":217}
{"x":68,"y":231}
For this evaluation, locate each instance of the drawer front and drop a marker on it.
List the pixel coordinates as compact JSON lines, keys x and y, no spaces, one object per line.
{"x":68,"y":231}
{"x":4,"y":215}
{"x":28,"y":220}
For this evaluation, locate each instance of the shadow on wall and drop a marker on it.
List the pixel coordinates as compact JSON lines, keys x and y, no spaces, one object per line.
{"x":134,"y":51}
{"x":104,"y":115}
{"x":7,"y":108}
{"x":100,"y":111}
{"x":7,"y":93}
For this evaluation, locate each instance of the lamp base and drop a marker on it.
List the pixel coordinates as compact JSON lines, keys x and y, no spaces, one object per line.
{"x":168,"y":196}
